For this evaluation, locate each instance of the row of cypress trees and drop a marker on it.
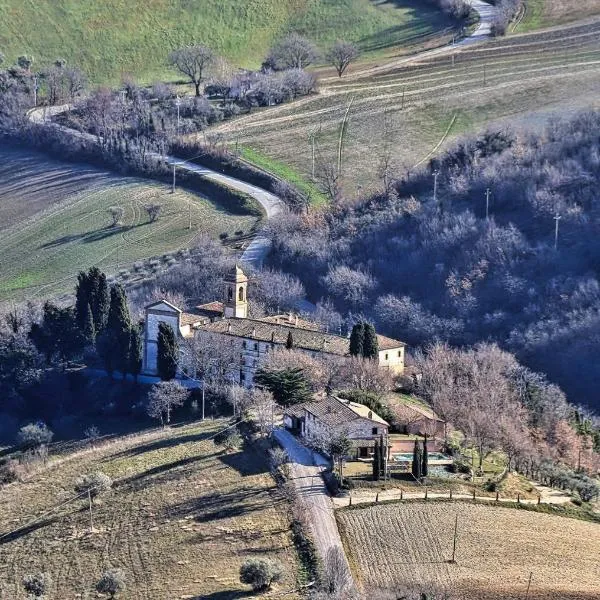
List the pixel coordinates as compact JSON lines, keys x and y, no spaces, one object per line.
{"x":104,"y":319}
{"x":363,"y":340}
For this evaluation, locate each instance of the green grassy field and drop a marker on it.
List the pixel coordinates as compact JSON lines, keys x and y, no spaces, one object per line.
{"x":54,"y":221}
{"x":182,"y":517}
{"x":111,"y":38}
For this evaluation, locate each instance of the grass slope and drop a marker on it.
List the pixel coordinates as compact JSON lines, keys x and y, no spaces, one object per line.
{"x":181,"y":519}
{"x":545,"y":13}
{"x":54,"y":222}
{"x":106,"y":42}
{"x":504,"y":81}
{"x":401,"y":545}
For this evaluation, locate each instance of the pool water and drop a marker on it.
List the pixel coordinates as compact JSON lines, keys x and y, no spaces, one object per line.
{"x":407,"y":456}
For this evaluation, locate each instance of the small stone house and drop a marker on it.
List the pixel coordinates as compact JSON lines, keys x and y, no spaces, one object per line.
{"x":329,"y":415}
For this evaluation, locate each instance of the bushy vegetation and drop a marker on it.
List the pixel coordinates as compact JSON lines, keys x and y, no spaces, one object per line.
{"x":260,"y":573}
{"x":460,"y":277}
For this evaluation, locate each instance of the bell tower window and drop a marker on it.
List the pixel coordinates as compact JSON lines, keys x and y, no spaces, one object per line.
{"x":241,"y":293}
{"x":229,"y":294}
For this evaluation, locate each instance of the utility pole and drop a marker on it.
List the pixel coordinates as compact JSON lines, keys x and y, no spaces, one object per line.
{"x":435,"y":185}
{"x":178,"y":104}
{"x":557,"y":218}
{"x":528,"y":585}
{"x":173,"y":186}
{"x":190,"y":213}
{"x":35,"y":90}
{"x":484,"y":74}
{"x":453,"y":560}
{"x":91,"y":515}
{"x":487,"y":204}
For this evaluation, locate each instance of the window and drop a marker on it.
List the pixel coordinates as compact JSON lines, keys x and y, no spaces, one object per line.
{"x":244,"y":344}
{"x":241,"y":293}
{"x":386,"y":356}
{"x":374,"y":431}
{"x":400,"y":353}
{"x":229,"y":294}
{"x":256,"y":346}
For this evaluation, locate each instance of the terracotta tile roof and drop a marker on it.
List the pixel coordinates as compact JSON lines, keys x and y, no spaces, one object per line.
{"x":265,"y":330}
{"x":291,"y":321}
{"x":334,"y":412}
{"x":386,"y":343}
{"x":190,"y":319}
{"x":305,"y":339}
{"x":211,"y":310}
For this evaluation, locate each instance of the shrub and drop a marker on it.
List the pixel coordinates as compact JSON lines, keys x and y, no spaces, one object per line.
{"x":260,"y":573}
{"x":36,"y":584}
{"x":10,"y":471}
{"x":112,"y":582}
{"x":233,"y":440}
{"x":34,"y":435}
{"x":96,"y":483}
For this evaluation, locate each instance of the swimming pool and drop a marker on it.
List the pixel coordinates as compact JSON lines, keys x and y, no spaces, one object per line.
{"x":407,"y":457}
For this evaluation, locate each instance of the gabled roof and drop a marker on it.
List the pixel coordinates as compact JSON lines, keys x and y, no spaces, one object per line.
{"x":163,"y":302}
{"x":335,"y":412}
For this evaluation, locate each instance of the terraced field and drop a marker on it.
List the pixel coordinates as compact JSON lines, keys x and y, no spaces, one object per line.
{"x":415,"y":107}
{"x":410,"y":545}
{"x":182,"y":517}
{"x":544,"y":13}
{"x":54,"y":221}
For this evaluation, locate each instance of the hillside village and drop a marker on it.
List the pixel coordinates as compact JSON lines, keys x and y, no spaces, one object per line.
{"x":282,"y":286}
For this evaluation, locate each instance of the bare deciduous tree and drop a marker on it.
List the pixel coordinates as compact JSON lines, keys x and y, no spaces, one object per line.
{"x":341,"y":54}
{"x":116,"y":214}
{"x":292,"y":52}
{"x":193,"y":62}
{"x":163,"y":398}
{"x":153,"y":210}
{"x":263,"y":407}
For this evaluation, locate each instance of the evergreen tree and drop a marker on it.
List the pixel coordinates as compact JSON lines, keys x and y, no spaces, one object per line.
{"x":99,"y":296}
{"x":89,"y":330}
{"x":289,"y":344}
{"x":168,"y":352}
{"x":288,"y":386}
{"x":370,"y":346}
{"x":82,"y":299}
{"x":376,"y":462}
{"x":118,"y":327}
{"x":417,"y":461}
{"x":382,"y":454}
{"x":357,"y":338}
{"x":425,"y":459}
{"x":135,"y":351}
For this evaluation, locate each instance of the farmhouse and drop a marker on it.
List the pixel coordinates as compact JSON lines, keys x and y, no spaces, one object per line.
{"x":252,"y":339}
{"x":329,"y":415}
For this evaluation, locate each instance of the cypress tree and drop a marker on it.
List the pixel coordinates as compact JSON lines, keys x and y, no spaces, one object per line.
{"x":376,"y":462}
{"x":382,"y":454}
{"x":357,"y":338}
{"x":425,"y":460}
{"x":370,"y":347}
{"x":135,"y":351}
{"x":289,"y":344}
{"x":100,"y":301}
{"x":82,"y":299}
{"x":417,"y":461}
{"x":167,"y":357}
{"x":89,"y":330}
{"x":118,"y":327}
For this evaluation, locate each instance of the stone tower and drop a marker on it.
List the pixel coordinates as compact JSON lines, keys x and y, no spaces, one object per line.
{"x":235,"y":301}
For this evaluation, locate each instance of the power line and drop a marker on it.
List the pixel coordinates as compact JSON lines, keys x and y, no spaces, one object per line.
{"x":557,"y":218}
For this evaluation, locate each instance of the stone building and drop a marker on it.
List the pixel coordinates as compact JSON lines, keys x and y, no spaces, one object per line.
{"x":254,"y":338}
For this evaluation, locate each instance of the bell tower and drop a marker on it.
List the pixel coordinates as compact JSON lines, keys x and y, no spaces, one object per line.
{"x":235,"y":300}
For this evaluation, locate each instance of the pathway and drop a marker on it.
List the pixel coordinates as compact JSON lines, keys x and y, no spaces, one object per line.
{"x":307,"y":480}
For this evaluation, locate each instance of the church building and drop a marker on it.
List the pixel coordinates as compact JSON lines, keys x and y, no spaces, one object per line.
{"x":254,"y":338}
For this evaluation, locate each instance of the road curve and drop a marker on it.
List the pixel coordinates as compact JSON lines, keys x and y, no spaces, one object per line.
{"x":258,"y":249}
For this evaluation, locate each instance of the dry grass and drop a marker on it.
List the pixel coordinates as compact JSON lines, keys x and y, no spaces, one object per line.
{"x":550,"y":72}
{"x":398,"y":545}
{"x":544,"y":13}
{"x":54,"y":222}
{"x":182,"y":518}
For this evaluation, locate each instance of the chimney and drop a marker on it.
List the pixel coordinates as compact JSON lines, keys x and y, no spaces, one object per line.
{"x":370,"y":415}
{"x":229,"y":327}
{"x":290,"y":318}
{"x":296,"y":320}
{"x":254,"y":332}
